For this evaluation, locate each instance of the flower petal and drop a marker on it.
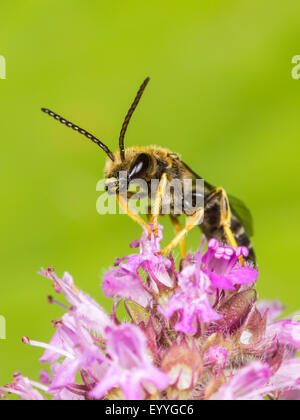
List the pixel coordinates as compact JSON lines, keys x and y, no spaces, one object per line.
{"x":246,"y":383}
{"x":274,"y":308}
{"x":243,"y":275}
{"x":286,"y":332}
{"x":121,"y":283}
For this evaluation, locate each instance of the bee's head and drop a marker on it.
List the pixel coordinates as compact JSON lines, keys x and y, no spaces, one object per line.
{"x":135,"y":163}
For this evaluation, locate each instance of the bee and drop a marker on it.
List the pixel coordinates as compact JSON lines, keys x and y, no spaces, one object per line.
{"x":221,"y":216}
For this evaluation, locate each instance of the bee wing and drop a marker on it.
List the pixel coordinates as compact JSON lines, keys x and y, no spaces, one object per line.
{"x":239,"y":209}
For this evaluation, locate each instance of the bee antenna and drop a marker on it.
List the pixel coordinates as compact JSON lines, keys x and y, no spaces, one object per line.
{"x":129,"y":115}
{"x":81,"y":131}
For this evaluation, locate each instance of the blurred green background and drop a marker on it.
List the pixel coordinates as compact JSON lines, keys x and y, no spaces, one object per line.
{"x":221,"y":94}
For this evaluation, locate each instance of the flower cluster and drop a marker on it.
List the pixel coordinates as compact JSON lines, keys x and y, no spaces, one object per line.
{"x":193,"y":332}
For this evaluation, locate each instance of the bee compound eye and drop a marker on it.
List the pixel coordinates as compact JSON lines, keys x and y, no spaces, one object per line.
{"x":140,"y":166}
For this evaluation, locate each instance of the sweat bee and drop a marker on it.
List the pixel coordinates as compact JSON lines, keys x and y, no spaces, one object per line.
{"x":221,"y":216}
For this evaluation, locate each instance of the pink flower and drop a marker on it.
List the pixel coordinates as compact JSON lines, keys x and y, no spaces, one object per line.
{"x":126,"y":282}
{"x":237,"y":351}
{"x":216,"y":357}
{"x":286,"y":332}
{"x":120,"y":282}
{"x":85,"y":355}
{"x":158,"y":268}
{"x":273,"y":308}
{"x":77,"y":346}
{"x":287,"y":376}
{"x":24,"y":388}
{"x":221,"y":265}
{"x":129,"y":366}
{"x":192,"y":299}
{"x":246,"y":383}
{"x":91,"y":315}
{"x":257,"y":380}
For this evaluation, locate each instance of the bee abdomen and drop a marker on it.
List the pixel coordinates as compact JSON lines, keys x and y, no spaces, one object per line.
{"x":241,"y":236}
{"x":212,"y":229}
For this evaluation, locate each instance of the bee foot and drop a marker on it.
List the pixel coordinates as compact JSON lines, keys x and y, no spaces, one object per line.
{"x":156,"y":233}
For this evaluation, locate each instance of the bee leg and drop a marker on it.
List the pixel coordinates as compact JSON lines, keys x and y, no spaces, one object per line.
{"x":192,"y":221}
{"x":149,"y":215}
{"x":156,"y":208}
{"x":178,"y":228}
{"x":124,"y":205}
{"x":225,"y":220}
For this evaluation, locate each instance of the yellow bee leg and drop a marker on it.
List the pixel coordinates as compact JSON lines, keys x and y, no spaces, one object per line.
{"x":149,"y":215}
{"x":156,"y":208}
{"x":192,"y":221}
{"x":124,"y":205}
{"x":225,"y":221}
{"x":177,"y":229}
